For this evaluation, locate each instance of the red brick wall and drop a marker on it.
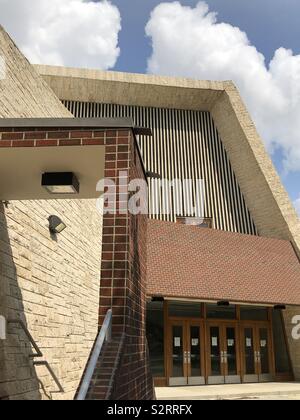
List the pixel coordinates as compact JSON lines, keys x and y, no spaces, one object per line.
{"x":53,"y":137}
{"x":115,"y":254}
{"x":134,"y":379}
{"x":123,"y":265}
{"x":123,"y":281}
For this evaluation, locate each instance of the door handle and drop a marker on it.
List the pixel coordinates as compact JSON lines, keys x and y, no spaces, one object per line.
{"x":189,"y":357}
{"x":185,"y":357}
{"x":257,"y":357}
{"x":224,"y":357}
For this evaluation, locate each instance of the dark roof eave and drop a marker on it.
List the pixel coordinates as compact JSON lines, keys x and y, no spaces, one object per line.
{"x":80,"y":123}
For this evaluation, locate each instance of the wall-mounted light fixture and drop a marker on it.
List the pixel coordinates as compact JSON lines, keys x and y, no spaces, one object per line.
{"x":223,"y":303}
{"x":280,"y":307}
{"x":56,"y":225}
{"x":157,"y":299}
{"x":60,"y":182}
{"x":5,"y":203}
{"x":153,"y":175}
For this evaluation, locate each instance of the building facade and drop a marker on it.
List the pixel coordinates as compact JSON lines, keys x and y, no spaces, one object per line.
{"x":203,"y":288}
{"x":202,"y":130}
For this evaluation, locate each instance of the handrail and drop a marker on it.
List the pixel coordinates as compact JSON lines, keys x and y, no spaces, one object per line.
{"x":38,"y":351}
{"x":117,"y":363}
{"x":29,"y":336}
{"x":51,"y":371}
{"x":104,"y":335}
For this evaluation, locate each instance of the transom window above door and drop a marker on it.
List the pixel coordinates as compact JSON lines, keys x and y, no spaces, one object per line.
{"x":185,"y":309}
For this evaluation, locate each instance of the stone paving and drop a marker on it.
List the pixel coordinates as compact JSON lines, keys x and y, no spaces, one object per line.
{"x":252,"y":392}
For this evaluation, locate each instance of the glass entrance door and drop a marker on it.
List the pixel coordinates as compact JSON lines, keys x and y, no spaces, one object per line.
{"x":231,"y":355}
{"x":250,"y":372}
{"x":178,"y":359}
{"x":196,"y":373}
{"x":256,"y":353}
{"x":223,"y":362}
{"x":187,"y":357}
{"x":215,"y":356}
{"x":264,"y":354}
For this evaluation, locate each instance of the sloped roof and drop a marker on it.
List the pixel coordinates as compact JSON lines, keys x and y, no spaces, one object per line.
{"x":190,"y":262}
{"x":23,"y":92}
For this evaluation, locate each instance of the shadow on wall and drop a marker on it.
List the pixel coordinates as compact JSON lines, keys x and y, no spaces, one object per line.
{"x":18,"y":378}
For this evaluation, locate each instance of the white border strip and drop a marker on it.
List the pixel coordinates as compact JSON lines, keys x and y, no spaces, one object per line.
{"x":2,"y":68}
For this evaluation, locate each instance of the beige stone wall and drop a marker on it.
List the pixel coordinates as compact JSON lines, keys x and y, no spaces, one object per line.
{"x":294,"y":345}
{"x":52,"y":284}
{"x":23,"y":93}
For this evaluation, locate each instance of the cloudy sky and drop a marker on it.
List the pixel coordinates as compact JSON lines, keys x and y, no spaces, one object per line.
{"x":254,"y":43}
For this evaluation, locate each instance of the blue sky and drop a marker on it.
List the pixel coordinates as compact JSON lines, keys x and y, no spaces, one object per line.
{"x":269,"y":24}
{"x":255,"y":43}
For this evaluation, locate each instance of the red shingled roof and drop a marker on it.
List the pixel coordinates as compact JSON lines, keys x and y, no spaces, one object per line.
{"x":190,"y":262}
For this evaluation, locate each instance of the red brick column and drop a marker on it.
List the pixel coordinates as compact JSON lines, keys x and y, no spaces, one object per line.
{"x":123,"y":275}
{"x":115,"y":246}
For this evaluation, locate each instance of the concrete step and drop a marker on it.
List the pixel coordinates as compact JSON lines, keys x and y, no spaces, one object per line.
{"x":231,"y":392}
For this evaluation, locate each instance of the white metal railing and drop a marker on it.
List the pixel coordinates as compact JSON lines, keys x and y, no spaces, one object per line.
{"x":103,"y":336}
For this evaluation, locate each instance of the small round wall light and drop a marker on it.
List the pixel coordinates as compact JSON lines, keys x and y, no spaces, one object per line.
{"x":56,"y":225}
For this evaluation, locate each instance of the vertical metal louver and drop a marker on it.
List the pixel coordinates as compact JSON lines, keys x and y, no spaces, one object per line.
{"x":185,"y":145}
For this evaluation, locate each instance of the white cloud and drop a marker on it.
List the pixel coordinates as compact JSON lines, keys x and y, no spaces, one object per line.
{"x":191,"y":42}
{"x":297,"y":205}
{"x":77,"y":33}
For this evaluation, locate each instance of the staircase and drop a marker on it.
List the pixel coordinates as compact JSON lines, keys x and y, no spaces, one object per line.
{"x":102,"y":381}
{"x":98,"y":379}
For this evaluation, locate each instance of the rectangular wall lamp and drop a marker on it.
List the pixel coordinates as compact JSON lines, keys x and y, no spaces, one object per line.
{"x":60,"y":182}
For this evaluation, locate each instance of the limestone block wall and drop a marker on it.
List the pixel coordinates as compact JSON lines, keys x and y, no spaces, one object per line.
{"x":294,"y":345}
{"x":52,"y":284}
{"x":23,"y":93}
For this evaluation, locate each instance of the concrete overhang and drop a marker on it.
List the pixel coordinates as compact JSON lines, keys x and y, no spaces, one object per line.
{"x":21,"y":168}
{"x":131,"y":89}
